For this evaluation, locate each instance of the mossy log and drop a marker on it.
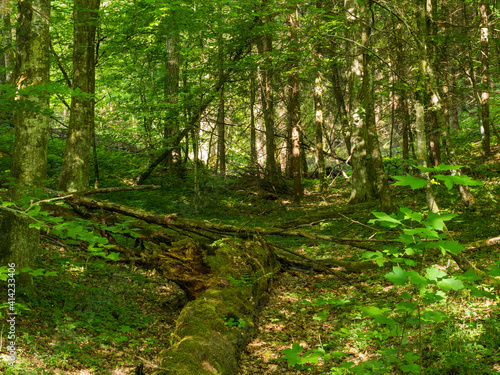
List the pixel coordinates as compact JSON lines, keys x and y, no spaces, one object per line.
{"x":212,"y":329}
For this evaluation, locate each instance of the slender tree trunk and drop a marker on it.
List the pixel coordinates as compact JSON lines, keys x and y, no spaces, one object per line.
{"x":6,"y":62}
{"x":381,"y":185}
{"x":264,"y":47}
{"x":76,"y":162}
{"x":341,"y":104}
{"x":172,"y":65}
{"x":485,"y":79}
{"x":318,"y":129}
{"x":221,"y":137}
{"x":293,"y":104}
{"x":253,"y":130}
{"x":7,"y":59}
{"x":20,"y":243}
{"x":419,"y":103}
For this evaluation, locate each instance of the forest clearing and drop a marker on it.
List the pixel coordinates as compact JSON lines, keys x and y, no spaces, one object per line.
{"x":249,"y":187}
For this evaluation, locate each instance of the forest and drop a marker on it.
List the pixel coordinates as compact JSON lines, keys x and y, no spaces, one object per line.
{"x":248,"y":187}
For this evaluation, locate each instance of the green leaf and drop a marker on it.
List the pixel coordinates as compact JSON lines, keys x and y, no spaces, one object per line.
{"x":409,"y":214}
{"x":321,"y":316}
{"x":495,"y":271}
{"x":453,"y":247}
{"x":413,"y":182}
{"x":448,"y":284}
{"x":413,"y":368}
{"x":434,"y":315}
{"x":376,"y":256}
{"x":459,"y":180}
{"x":406,"y":306}
{"x":421,"y":232}
{"x":439,"y":168}
{"x":113,"y":256}
{"x":436,"y":221}
{"x":292,"y":354}
{"x":417,"y":279}
{"x":389,"y":220}
{"x":378,"y":315}
{"x":434,"y":273}
{"x":398,"y":276}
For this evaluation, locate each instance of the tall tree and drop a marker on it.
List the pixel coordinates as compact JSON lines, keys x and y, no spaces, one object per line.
{"x":265,"y":47}
{"x":76,"y":162}
{"x":29,"y":162}
{"x":356,"y":21}
{"x":484,"y":11}
{"x":293,"y":103}
{"x":172,"y":66}
{"x":318,"y":129}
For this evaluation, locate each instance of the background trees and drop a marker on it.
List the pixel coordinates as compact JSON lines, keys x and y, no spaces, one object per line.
{"x":310,"y":81}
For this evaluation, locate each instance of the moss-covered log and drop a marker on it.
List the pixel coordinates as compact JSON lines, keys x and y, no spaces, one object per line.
{"x":213,"y":329}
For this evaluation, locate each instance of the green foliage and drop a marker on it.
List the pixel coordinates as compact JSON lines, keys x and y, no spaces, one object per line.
{"x":448,"y":180}
{"x":248,"y":279}
{"x":302,"y":361}
{"x":234,"y":322}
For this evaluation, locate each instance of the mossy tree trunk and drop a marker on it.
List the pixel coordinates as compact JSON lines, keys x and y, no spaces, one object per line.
{"x":76,"y":162}
{"x":213,"y":329}
{"x":20,"y":243}
{"x":361,"y":184}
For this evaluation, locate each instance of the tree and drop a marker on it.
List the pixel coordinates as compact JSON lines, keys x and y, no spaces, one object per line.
{"x":172,"y":77}
{"x":361,"y":186}
{"x":31,"y":121}
{"x":76,"y":163}
{"x":265,"y":46}
{"x":293,"y":103}
{"x":484,"y":10}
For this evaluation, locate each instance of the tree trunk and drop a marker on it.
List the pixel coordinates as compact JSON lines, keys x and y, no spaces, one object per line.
{"x":381,"y":185}
{"x":221,"y":138}
{"x":293,"y":104}
{"x":29,"y":163}
{"x":318,"y":129}
{"x":485,"y":80}
{"x":361,"y":185}
{"x":253,"y":130}
{"x":419,"y":103}
{"x":172,"y":62}
{"x":76,"y":162}
{"x":264,"y":47}
{"x":6,"y":63}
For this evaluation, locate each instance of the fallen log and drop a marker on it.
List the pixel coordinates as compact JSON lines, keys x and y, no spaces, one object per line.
{"x":212,"y":330}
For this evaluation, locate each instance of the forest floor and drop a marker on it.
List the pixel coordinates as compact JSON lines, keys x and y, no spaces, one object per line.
{"x":98,"y":317}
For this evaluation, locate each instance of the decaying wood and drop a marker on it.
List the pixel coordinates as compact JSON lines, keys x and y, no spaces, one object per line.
{"x":212,"y":329}
{"x":214,"y":230}
{"x":482,"y":243}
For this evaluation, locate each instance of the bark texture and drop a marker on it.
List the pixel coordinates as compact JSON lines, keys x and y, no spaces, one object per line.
{"x":19,"y":244}
{"x":76,"y":162}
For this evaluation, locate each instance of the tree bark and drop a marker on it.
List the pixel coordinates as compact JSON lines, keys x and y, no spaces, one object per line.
{"x":318,"y":129}
{"x":172,"y":62}
{"x":485,"y":79}
{"x":293,"y":104}
{"x":361,"y":185}
{"x":381,"y":185}
{"x":265,"y":47}
{"x":76,"y":162}
{"x":253,"y":129}
{"x":29,"y":162}
{"x":221,"y":136}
